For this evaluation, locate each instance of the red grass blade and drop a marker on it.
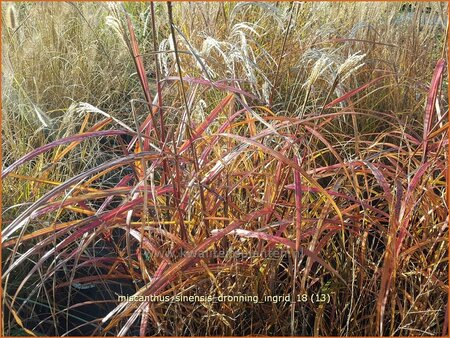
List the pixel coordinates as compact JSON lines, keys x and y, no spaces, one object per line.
{"x":202,"y":127}
{"x":218,"y":85}
{"x":21,"y":220}
{"x":54,"y":144}
{"x":353,"y":92}
{"x":431,"y":99}
{"x":291,"y":163}
{"x":137,"y":57}
{"x":139,"y":63}
{"x":381,"y":180}
{"x":408,"y":205}
{"x":298,"y":206}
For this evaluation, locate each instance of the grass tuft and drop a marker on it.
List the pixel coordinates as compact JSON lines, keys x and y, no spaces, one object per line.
{"x":286,"y":160}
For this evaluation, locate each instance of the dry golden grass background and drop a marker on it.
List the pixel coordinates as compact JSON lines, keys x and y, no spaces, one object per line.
{"x":316,"y":130}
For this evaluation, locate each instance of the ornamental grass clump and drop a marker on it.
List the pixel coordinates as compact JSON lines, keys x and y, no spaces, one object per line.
{"x":224,"y":169}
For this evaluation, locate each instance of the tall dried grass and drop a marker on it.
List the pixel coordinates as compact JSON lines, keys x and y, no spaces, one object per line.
{"x":145,"y":145}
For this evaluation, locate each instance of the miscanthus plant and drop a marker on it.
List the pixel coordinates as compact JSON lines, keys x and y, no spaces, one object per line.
{"x":269,"y":152}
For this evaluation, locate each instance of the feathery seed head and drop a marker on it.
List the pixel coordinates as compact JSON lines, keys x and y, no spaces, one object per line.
{"x":351,"y":65}
{"x":11,"y":17}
